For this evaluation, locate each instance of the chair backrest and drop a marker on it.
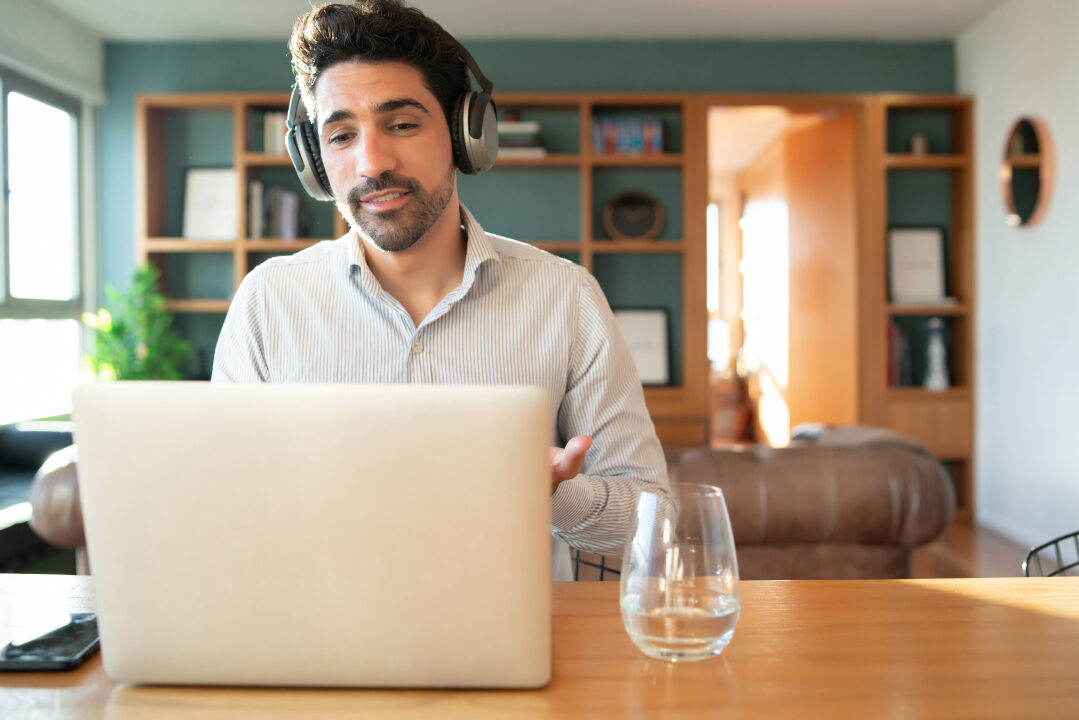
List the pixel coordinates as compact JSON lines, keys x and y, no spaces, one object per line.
{"x":1059,"y":556}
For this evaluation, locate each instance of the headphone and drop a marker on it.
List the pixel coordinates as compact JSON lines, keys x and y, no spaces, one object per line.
{"x":473,"y":135}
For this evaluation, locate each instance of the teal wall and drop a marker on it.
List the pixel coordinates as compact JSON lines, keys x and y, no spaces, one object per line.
{"x":687,"y":66}
{"x":536,"y":66}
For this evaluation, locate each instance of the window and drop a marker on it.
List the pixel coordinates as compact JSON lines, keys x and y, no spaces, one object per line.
{"x":41,"y":294}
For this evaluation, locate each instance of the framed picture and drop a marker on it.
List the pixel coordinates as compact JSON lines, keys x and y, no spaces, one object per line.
{"x":916,"y":259}
{"x":645,"y":332}
{"x":210,"y":204}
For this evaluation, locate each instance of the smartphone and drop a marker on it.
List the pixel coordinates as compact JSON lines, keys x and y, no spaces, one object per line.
{"x":64,"y":648}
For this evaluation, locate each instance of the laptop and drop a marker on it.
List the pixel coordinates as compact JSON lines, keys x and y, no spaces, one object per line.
{"x":318,"y":535}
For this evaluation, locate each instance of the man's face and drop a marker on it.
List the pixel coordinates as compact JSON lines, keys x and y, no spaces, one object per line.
{"x":386,"y":149}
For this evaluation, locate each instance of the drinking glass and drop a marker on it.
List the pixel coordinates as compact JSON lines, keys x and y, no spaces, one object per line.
{"x":679,"y":584}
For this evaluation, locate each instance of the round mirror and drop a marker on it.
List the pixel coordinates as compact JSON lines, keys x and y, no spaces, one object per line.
{"x":1026,"y":175}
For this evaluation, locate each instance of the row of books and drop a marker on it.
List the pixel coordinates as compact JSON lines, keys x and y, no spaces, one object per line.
{"x":520,"y":139}
{"x":273,"y":212}
{"x":628,"y":136}
{"x":268,"y":132}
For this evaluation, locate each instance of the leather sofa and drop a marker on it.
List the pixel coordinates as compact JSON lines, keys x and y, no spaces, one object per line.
{"x":848,"y":502}
{"x":23,"y":449}
{"x":838,"y":503}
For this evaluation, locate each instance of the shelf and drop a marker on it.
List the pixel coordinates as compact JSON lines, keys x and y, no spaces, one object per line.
{"x":638,"y":246}
{"x":926,"y":162}
{"x":572,"y":160}
{"x":256,"y":159}
{"x":955,"y":309}
{"x":551,"y":160}
{"x":183,"y":245}
{"x":197,"y":306}
{"x":907,"y":394}
{"x":664,"y":160}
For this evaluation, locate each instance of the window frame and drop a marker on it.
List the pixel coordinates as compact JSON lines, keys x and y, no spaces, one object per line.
{"x":14,"y":308}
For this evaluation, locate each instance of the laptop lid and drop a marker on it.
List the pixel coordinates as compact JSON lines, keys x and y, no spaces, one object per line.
{"x":342,"y":535}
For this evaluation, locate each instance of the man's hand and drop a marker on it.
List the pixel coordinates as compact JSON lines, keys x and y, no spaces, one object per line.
{"x":566,"y":462}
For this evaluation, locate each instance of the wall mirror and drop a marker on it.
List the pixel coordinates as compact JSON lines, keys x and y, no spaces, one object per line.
{"x":1026,"y":174}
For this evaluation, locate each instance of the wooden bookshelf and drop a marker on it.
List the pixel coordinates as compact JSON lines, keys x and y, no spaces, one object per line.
{"x":943,"y":420}
{"x":177,"y":131}
{"x":679,"y":411}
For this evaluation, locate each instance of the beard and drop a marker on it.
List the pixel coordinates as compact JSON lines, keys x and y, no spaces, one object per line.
{"x":397,"y":230}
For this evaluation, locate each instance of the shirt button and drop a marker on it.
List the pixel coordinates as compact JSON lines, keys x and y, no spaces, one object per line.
{"x":417,"y":347}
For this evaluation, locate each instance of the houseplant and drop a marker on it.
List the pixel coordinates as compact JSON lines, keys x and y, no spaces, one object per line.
{"x":133,"y":334}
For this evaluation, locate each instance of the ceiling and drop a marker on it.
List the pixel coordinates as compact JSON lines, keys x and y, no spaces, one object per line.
{"x":142,"y":20}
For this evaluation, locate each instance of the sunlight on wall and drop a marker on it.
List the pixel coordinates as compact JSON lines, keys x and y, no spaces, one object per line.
{"x":766,"y":286}
{"x":775,"y":416}
{"x":719,"y":332}
{"x":766,"y":309}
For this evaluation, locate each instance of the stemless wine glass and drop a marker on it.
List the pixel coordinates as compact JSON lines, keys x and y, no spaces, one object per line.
{"x":679,"y":584}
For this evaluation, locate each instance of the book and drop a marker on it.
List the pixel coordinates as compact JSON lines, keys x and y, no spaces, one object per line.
{"x":518,"y":127}
{"x":635,"y":135}
{"x":255,"y":209}
{"x":290,"y":214}
{"x":274,"y":133}
{"x":521,"y":152}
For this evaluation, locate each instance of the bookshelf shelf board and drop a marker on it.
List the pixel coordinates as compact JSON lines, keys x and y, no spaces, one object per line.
{"x":255,"y":159}
{"x":665,"y":160}
{"x":638,"y":246}
{"x":183,"y":245}
{"x":907,"y":394}
{"x":926,"y":162}
{"x":551,"y":160}
{"x":197,"y":306}
{"x":956,"y":310}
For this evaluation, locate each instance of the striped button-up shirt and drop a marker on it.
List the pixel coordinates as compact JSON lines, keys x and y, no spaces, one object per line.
{"x":520,"y":316}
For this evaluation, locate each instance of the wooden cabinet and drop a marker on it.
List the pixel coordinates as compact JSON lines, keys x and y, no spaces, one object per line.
{"x":555,"y":202}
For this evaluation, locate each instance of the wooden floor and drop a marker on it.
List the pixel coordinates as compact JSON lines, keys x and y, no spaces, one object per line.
{"x":966,"y":550}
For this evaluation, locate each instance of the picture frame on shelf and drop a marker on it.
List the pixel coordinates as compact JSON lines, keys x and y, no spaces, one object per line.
{"x":210,"y":206}
{"x":646,"y":333}
{"x":916,"y":266}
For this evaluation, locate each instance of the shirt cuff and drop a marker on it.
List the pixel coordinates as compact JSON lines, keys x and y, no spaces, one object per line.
{"x":571,"y":503}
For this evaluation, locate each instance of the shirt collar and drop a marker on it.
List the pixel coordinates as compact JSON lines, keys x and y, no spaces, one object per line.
{"x":478,"y":250}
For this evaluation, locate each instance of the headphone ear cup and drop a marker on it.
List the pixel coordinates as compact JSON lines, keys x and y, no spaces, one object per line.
{"x":474,"y":133}
{"x":314,"y":153}
{"x":301,"y":141}
{"x":458,"y":128}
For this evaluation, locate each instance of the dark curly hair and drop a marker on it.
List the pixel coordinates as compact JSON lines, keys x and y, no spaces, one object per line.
{"x":373,"y":31}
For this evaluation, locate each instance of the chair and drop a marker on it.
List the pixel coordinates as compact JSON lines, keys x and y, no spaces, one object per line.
{"x":596,"y":562}
{"x":1060,"y":556}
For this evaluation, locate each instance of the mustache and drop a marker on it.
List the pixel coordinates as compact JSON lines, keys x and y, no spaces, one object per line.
{"x":383,"y":182}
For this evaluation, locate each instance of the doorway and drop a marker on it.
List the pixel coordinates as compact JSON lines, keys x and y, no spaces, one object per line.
{"x":782,"y":252}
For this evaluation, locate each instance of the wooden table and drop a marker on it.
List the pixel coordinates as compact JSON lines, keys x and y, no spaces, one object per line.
{"x":1006,"y":648}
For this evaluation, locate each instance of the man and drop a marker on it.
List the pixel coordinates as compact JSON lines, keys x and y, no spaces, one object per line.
{"x":417,"y":292}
